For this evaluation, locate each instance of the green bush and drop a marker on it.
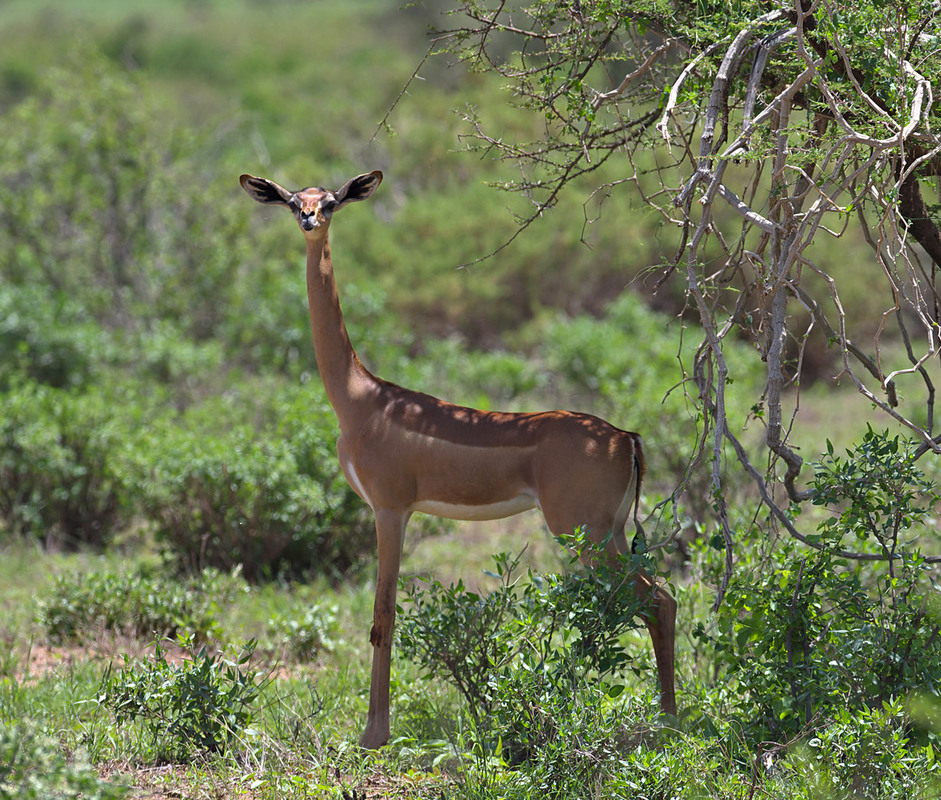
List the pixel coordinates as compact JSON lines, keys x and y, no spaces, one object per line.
{"x":33,"y":767}
{"x":47,"y":339}
{"x":270,"y":499}
{"x":866,"y":753}
{"x":142,"y":604}
{"x":495,"y":379}
{"x":92,"y":209}
{"x":452,"y":219}
{"x":811,"y":667}
{"x":539,"y":664}
{"x":306,"y":632}
{"x":813,"y":634}
{"x":459,"y":635}
{"x":199,"y":706}
{"x":601,"y":356}
{"x":564,"y":737}
{"x":60,"y":477}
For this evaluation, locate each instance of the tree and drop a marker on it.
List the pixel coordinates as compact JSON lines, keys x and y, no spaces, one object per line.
{"x":753,"y":129}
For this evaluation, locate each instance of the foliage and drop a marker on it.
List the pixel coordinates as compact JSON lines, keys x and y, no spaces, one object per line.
{"x":139,"y":604}
{"x":820,"y":637}
{"x":33,"y":767}
{"x":222,"y":493}
{"x":201,"y":705}
{"x":48,"y":339}
{"x":489,"y":379}
{"x":460,"y":635}
{"x":87,"y":156}
{"x":879,"y":491}
{"x":570,"y":622}
{"x":538,"y":664}
{"x":230,"y":500}
{"x":866,"y":753}
{"x":306,"y":632}
{"x":60,"y":477}
{"x":598,"y":355}
{"x":137,"y":243}
{"x":221,"y":488}
{"x":754,"y":131}
{"x":441,"y":234}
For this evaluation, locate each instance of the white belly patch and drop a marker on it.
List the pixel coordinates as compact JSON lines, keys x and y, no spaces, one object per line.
{"x":499,"y":510}
{"x":350,"y":471}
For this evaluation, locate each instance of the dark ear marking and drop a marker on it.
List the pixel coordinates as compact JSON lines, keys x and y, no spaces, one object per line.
{"x":264,"y":191}
{"x":359,"y":188}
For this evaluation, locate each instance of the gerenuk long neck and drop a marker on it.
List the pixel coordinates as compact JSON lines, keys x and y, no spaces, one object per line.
{"x":350,"y":386}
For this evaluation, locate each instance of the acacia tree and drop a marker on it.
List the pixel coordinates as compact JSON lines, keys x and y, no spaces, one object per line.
{"x":796,"y":118}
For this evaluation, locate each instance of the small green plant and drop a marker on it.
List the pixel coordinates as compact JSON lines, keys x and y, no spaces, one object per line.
{"x":200,"y":705}
{"x":539,"y":663}
{"x":878,"y":491}
{"x":569,"y":621}
{"x":306,"y":633}
{"x":141,"y":604}
{"x":33,"y":767}
{"x":459,"y":635}
{"x":866,"y":753}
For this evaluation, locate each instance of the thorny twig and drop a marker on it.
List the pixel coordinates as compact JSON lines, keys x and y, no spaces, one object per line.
{"x":785,"y":182}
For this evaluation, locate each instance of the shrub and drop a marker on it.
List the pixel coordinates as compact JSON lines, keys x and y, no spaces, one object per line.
{"x":307,"y":632}
{"x":139,"y":604}
{"x":814,"y":634}
{"x":91,"y":150}
{"x":60,"y":480}
{"x":33,"y":767}
{"x":272,"y":501}
{"x":538,"y":663}
{"x":201,"y":705}
{"x":458,"y":635}
{"x":228,"y":501}
{"x":601,"y":357}
{"x":865,"y":753}
{"x":481,"y":379}
{"x":570,"y":622}
{"x":548,"y":715}
{"x":46,"y":339}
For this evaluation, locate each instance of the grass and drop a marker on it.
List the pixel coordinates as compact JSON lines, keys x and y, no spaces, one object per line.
{"x":301,"y":740}
{"x":309,"y":713}
{"x":275,"y":67}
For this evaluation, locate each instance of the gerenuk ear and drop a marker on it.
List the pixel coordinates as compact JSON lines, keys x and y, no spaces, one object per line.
{"x":265,"y":191}
{"x":359,"y":188}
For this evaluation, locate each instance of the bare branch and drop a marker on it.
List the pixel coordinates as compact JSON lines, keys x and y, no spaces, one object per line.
{"x":734,"y":127}
{"x":622,"y":87}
